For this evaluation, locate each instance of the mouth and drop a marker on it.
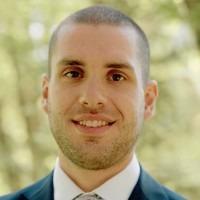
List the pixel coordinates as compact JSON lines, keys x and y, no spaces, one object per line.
{"x":93,"y":123}
{"x":93,"y":127}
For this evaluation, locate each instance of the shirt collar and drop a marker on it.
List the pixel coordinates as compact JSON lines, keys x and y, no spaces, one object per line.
{"x":112,"y":189}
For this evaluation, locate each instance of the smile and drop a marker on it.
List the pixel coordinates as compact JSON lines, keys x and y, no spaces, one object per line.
{"x":93,"y":123}
{"x":93,"y":126}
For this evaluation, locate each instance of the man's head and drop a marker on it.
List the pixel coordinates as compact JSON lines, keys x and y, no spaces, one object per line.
{"x":103,"y":15}
{"x":98,"y":91}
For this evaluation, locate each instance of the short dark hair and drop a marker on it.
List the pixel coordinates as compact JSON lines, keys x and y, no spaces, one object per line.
{"x":101,"y":14}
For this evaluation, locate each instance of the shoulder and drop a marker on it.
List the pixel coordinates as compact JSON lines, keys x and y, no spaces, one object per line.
{"x":33,"y":191}
{"x":150,"y":189}
{"x":172,"y":195}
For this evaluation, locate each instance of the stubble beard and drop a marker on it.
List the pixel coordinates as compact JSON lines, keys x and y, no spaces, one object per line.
{"x":92,"y":154}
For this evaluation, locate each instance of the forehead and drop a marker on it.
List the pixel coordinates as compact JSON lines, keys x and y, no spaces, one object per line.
{"x":98,"y":43}
{"x":88,"y":32}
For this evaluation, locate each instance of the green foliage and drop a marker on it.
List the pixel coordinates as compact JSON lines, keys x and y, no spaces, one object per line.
{"x":168,"y":147}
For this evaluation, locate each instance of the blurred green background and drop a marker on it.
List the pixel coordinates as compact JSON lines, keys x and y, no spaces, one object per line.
{"x":170,"y":143}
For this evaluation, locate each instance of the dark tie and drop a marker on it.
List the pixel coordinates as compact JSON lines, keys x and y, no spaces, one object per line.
{"x":91,"y":196}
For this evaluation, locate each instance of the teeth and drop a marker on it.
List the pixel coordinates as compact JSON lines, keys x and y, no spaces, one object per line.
{"x":93,"y":123}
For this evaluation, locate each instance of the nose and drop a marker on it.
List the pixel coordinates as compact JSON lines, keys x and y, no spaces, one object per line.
{"x":93,"y":96}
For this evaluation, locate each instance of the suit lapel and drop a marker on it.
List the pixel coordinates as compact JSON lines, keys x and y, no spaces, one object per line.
{"x":147,"y":188}
{"x":137,"y":193}
{"x":42,"y":190}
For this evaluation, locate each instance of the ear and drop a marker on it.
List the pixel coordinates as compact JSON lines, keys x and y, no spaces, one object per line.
{"x":45,"y":92}
{"x":151,"y":94}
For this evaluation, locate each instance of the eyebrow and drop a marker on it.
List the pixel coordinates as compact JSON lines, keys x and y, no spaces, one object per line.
{"x":120,"y":65}
{"x":111,"y":65}
{"x":66,"y":61}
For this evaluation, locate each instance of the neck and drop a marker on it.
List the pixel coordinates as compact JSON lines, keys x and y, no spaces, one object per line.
{"x":88,"y":180}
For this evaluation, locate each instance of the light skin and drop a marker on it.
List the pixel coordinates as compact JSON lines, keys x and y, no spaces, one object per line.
{"x":96,"y":100}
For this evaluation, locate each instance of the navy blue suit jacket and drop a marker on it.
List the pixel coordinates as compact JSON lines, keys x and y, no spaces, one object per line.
{"x":146,"y":189}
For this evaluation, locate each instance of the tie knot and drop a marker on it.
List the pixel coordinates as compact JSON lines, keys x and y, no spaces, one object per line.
{"x":90,"y":196}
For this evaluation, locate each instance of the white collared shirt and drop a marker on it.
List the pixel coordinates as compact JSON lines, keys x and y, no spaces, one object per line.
{"x":119,"y":187}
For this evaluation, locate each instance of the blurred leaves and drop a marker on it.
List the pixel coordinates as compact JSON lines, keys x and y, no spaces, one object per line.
{"x":169,"y":145}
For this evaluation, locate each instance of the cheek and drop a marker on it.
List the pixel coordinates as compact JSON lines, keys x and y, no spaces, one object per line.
{"x":125,"y":101}
{"x":61,"y":98}
{"x":129,"y":103}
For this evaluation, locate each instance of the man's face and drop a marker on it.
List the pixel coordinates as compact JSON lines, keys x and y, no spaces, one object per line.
{"x":95,"y":97}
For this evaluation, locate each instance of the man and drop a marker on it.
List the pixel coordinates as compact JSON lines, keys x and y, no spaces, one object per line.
{"x":96,"y":95}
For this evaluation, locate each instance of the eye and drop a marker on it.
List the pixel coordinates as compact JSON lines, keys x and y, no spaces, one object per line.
{"x":116,"y":76}
{"x":73,"y":74}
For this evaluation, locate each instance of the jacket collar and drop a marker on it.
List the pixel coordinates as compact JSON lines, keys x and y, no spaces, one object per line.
{"x":41,"y":190}
{"x":147,"y":188}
